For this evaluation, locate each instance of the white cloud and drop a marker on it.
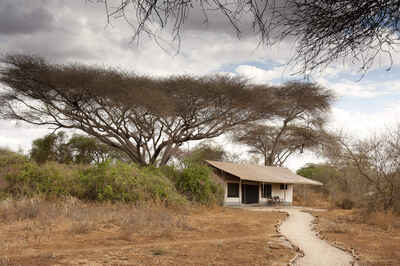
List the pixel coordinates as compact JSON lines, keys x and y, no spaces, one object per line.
{"x":362,"y":124}
{"x":258,"y":75}
{"x":361,"y":89}
{"x":19,"y":136}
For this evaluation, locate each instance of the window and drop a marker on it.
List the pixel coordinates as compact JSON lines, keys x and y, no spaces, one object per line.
{"x":233,"y":190}
{"x":266,"y":191}
{"x":283,"y":186}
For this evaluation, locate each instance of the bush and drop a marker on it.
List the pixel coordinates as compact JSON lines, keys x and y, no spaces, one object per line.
{"x":127,"y":183}
{"x":50,"y":180}
{"x":345,"y":204}
{"x":115,"y":182}
{"x":104,"y":182}
{"x":195,"y":183}
{"x":10,"y":162}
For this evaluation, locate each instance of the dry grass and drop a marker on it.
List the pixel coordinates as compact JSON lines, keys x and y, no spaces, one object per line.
{"x":71,"y":232}
{"x":375,"y":237}
{"x":5,"y":261}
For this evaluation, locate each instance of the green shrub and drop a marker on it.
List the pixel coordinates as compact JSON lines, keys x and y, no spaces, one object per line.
{"x":29,"y":179}
{"x":127,"y":183}
{"x":9,"y":158}
{"x":195,"y":183}
{"x":103,"y":182}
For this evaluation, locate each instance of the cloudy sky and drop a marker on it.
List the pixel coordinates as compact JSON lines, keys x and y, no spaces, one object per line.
{"x":77,"y":31}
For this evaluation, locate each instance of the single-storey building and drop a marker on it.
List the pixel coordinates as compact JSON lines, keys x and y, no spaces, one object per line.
{"x":249,"y":184}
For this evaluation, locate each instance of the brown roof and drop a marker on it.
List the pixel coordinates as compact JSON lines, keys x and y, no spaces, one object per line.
{"x":259,"y":173}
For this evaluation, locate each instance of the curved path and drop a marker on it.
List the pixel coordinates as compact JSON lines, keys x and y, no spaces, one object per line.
{"x":298,"y":229}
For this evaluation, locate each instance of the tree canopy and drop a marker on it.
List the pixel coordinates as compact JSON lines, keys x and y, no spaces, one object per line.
{"x":298,"y":124}
{"x":145,"y":117}
{"x":323,"y":31}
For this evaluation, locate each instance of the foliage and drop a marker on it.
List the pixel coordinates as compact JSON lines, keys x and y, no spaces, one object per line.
{"x":103,"y":182}
{"x":195,"y":183}
{"x":8,"y":158}
{"x":115,"y":182}
{"x":147,"y":118}
{"x":9,"y":163}
{"x":86,"y":150}
{"x":324,"y":173}
{"x":202,"y":152}
{"x":52,"y":147}
{"x":341,"y":183}
{"x":127,"y":183}
{"x":78,"y":149}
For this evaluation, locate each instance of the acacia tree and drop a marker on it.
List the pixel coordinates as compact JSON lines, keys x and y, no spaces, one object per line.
{"x":146,"y":118}
{"x":323,"y":30}
{"x":298,"y":125}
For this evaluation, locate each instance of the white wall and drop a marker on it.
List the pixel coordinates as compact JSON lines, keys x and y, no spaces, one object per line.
{"x":284,"y":195}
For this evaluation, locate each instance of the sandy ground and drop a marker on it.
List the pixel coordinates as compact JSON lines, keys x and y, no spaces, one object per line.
{"x":298,"y":229}
{"x":219,"y":236}
{"x":375,"y":238}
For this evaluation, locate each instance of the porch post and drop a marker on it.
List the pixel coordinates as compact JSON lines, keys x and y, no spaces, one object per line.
{"x":240,"y":191}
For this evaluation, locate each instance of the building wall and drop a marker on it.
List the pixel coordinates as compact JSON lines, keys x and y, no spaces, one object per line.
{"x":284,"y":195}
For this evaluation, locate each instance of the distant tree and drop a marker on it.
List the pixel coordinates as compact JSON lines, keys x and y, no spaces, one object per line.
{"x":324,"y":31}
{"x":78,"y":149}
{"x":334,"y":179}
{"x":52,"y":147}
{"x":204,"y":151}
{"x":298,"y":125}
{"x":146,"y":118}
{"x":83,"y":149}
{"x":86,"y":150}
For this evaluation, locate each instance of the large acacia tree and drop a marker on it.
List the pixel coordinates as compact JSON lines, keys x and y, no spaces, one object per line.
{"x":298,"y":125}
{"x":323,"y":30}
{"x":147,"y":118}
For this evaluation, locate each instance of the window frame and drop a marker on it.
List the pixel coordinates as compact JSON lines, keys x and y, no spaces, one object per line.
{"x":235,"y":194}
{"x":264,"y":190}
{"x":283,"y":186}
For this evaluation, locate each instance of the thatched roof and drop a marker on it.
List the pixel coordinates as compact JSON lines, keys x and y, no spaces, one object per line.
{"x":267,"y":174}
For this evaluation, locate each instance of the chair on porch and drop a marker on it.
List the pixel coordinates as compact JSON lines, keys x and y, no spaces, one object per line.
{"x":273,"y":200}
{"x":276,"y":199}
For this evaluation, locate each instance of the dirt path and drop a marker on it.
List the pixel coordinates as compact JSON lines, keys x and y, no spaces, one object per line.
{"x":297,"y":228}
